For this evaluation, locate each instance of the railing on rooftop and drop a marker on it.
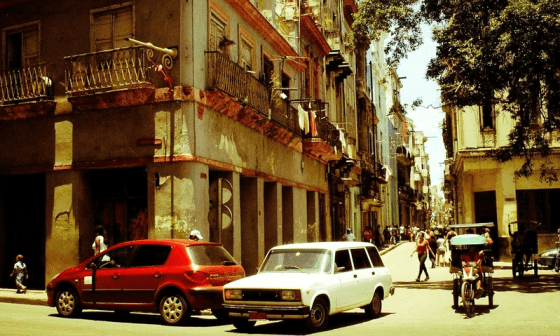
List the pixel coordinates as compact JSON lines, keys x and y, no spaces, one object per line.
{"x":26,"y":84}
{"x":108,"y":70}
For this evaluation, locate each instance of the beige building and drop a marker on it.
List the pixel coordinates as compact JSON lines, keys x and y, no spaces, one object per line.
{"x":483,"y":190}
{"x":234,"y":117}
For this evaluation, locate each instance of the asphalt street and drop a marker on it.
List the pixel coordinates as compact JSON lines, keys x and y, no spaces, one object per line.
{"x":527,"y":306}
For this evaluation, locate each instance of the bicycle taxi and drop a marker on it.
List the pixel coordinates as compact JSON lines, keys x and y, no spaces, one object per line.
{"x":524,"y":247}
{"x":471,"y":262}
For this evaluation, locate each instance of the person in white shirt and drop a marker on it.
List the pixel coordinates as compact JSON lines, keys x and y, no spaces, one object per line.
{"x":349,"y":236}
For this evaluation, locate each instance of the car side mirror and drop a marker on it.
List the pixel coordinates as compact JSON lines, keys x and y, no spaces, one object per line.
{"x":92,"y":265}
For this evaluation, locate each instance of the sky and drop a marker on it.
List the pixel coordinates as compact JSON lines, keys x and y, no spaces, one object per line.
{"x":428,"y":117}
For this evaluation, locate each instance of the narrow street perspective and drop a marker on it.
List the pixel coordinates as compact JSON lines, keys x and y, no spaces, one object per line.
{"x":279,"y":167}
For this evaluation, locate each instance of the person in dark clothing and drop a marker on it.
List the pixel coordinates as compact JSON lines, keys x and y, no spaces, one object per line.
{"x":432,"y":241}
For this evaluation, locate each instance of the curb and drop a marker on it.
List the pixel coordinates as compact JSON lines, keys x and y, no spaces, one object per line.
{"x":32,"y":297}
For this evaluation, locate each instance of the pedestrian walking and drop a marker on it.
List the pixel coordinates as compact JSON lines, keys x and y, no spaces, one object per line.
{"x":440,"y":258}
{"x":20,"y":273}
{"x":422,"y":247}
{"x":433,"y":248}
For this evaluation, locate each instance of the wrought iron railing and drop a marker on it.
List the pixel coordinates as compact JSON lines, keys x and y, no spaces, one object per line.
{"x":29,"y":83}
{"x":108,"y":70}
{"x":325,"y":129}
{"x":232,"y":79}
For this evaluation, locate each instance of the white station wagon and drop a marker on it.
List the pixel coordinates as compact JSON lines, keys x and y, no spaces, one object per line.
{"x":310,"y":281}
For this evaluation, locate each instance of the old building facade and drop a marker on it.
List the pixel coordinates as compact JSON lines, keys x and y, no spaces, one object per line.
{"x":483,"y":190}
{"x":242,"y":119}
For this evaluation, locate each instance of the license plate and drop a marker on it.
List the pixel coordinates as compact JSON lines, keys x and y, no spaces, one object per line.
{"x":257,"y":316}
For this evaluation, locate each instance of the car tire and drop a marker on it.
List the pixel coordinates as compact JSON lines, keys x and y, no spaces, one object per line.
{"x":174,"y":309}
{"x":557,"y":264}
{"x":68,"y":303}
{"x":221,"y":314}
{"x":318,"y":316}
{"x":373,"y":309}
{"x":242,"y":323}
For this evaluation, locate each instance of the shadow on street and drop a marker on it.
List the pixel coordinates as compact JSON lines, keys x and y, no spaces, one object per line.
{"x":296,"y":327}
{"x":544,"y":283}
{"x":143,"y":318}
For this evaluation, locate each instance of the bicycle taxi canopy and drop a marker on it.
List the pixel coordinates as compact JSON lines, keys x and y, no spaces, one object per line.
{"x":468,"y":239}
{"x":478,"y":227}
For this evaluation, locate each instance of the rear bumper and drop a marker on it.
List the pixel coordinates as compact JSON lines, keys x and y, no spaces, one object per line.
{"x":206,"y":297}
{"x":253,"y":312}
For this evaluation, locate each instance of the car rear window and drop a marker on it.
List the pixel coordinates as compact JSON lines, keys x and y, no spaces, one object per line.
{"x":210,"y":255}
{"x":375,"y":257}
{"x":360,"y":258}
{"x":151,"y":255}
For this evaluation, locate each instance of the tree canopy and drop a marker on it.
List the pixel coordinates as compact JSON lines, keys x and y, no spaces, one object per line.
{"x":497,"y":53}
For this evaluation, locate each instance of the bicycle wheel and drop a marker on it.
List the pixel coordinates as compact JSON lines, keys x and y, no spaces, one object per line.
{"x":467,"y":295}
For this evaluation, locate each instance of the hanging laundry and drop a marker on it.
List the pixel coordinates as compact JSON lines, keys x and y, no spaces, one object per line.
{"x":301,"y":117}
{"x":313,"y":124}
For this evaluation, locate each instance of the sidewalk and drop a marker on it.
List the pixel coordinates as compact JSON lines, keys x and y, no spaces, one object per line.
{"x":32,"y":297}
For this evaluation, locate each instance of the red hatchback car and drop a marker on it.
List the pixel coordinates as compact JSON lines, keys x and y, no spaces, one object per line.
{"x":172,"y":277}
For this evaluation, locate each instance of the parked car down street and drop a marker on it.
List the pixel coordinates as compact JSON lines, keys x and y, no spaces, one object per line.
{"x":172,"y":277}
{"x":550,"y":258}
{"x":310,"y":282}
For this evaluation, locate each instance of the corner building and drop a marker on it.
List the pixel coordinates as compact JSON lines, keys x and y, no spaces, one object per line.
{"x":154,"y":118}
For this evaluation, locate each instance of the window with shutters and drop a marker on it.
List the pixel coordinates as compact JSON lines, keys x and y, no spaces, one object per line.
{"x":218,"y":30}
{"x":110,"y":26}
{"x":246,"y":50}
{"x":21,"y":46}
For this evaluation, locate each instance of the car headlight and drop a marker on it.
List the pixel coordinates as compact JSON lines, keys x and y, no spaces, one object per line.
{"x":233,"y":294}
{"x":291,"y":295}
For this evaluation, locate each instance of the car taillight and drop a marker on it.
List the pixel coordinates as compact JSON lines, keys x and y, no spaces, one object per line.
{"x":197,"y":276}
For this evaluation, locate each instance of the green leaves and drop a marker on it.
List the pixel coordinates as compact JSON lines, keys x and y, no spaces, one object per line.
{"x":500,"y":52}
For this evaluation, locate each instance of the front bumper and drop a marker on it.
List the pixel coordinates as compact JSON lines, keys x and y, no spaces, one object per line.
{"x":268,"y":312}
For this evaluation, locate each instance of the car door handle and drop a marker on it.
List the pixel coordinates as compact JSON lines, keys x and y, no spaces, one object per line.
{"x":116,"y":276}
{"x":373,"y":273}
{"x":157,"y":275}
{"x":355,"y":275}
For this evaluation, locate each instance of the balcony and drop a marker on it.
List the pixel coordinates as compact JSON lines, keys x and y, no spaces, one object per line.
{"x":26,"y":92}
{"x":326,"y":144}
{"x":110,"y":78}
{"x":103,"y":71}
{"x":227,"y":77}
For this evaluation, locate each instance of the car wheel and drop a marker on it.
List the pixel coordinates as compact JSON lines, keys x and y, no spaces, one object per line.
{"x":557,"y":264}
{"x":243,"y":324}
{"x":373,"y":309}
{"x":174,"y":309}
{"x":318,"y":316}
{"x":68,"y":303}
{"x":221,"y":314}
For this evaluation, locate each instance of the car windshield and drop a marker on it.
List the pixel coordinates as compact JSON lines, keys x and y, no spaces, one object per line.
{"x":305,"y":261}
{"x":210,"y":255}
